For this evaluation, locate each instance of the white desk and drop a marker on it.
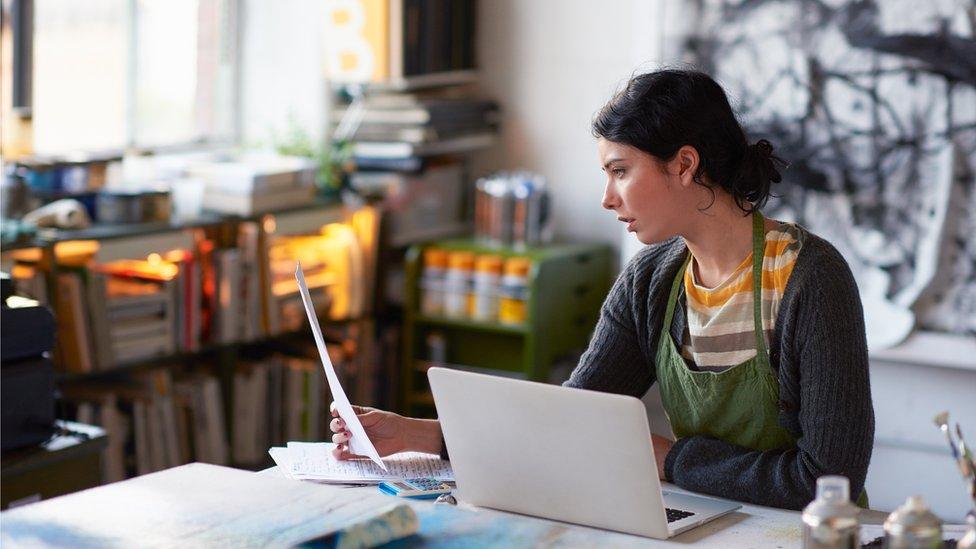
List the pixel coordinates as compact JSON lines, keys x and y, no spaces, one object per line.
{"x":200,"y":505}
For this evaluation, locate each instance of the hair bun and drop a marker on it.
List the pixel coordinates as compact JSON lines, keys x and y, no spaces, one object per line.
{"x":765,"y":162}
{"x":763,"y":148}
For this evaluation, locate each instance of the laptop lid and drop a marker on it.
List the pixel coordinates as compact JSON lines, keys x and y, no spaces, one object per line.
{"x":573,"y":455}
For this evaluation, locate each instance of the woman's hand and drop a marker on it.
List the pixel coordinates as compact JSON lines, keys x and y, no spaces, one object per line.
{"x":390,"y":433}
{"x":662,"y":446}
{"x":384,"y":429}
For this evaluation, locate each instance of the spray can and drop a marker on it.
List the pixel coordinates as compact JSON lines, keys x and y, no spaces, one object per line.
{"x":830,"y":520}
{"x":458,"y":284}
{"x":913,"y":526}
{"x":432,"y":282}
{"x":487,"y":277}
{"x":514,"y":292}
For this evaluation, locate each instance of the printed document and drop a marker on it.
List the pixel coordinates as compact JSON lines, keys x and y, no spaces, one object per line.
{"x":359,"y":444}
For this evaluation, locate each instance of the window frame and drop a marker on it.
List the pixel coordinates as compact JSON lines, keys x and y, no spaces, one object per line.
{"x":22,"y":14}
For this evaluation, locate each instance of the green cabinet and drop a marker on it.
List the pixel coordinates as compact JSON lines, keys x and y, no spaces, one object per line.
{"x":567,"y":285}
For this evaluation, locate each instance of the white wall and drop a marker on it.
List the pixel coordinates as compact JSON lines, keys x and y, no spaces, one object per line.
{"x":552,"y":65}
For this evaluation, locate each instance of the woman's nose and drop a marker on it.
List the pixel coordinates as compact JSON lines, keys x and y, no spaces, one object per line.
{"x":610,"y":198}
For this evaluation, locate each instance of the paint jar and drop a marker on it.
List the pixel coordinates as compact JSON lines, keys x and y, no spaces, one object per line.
{"x":432,"y":281}
{"x":830,"y":520}
{"x":487,"y":278}
{"x":514,"y":292}
{"x":912,"y":525}
{"x":458,"y":284}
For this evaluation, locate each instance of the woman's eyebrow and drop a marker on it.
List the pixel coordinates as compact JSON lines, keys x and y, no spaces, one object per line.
{"x":611,"y":161}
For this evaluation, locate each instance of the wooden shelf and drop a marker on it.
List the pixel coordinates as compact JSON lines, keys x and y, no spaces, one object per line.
{"x":418,"y":82}
{"x":482,"y":326}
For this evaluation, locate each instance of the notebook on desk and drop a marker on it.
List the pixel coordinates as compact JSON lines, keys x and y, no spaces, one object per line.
{"x":314,"y":461}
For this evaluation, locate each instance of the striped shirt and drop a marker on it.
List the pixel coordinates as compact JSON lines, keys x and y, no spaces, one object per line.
{"x":720,"y":331}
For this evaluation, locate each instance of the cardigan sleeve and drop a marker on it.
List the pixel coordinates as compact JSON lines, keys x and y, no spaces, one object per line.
{"x":614,"y":361}
{"x":825,"y":347}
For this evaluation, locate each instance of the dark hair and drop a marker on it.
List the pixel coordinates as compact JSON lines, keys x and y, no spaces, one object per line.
{"x":660,"y":112}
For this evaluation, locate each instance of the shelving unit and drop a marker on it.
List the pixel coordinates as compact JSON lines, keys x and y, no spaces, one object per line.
{"x":567,"y":285}
{"x":353,"y":331}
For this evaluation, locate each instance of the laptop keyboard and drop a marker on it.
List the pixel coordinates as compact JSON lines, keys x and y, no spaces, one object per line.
{"x":677,"y":514}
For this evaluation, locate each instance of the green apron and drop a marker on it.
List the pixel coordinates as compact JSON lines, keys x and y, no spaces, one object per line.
{"x":738,"y":405}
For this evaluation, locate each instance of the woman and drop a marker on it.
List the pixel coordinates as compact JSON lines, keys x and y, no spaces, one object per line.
{"x":752,"y":328}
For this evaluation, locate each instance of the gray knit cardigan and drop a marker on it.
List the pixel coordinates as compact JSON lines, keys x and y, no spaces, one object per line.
{"x":819,"y":353}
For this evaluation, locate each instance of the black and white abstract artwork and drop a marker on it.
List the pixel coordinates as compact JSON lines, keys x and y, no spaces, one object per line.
{"x":873,"y":102}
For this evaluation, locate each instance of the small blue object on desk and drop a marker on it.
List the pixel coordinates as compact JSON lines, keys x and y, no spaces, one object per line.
{"x":415,"y":488}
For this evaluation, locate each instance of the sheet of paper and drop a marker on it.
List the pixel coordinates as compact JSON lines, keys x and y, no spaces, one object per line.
{"x":359,"y":444}
{"x":280,"y":457}
{"x":314,"y":461}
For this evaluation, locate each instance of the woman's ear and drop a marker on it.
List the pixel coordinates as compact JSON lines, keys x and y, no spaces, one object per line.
{"x":687,"y":161}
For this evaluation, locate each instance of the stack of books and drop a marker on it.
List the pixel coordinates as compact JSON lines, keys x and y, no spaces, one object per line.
{"x":256,"y":183}
{"x":396,"y":130}
{"x":200,"y":409}
{"x":285,"y":310}
{"x":136,"y":319}
{"x":276,"y":399}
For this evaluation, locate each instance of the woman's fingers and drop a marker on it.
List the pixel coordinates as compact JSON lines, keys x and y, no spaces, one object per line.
{"x":341,"y":451}
{"x":337,"y":425}
{"x":341,"y":438}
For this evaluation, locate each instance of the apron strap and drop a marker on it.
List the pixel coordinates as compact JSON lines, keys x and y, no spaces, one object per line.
{"x":673,"y":296}
{"x":758,"y":247}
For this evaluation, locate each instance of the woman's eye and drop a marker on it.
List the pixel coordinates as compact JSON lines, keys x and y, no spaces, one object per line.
{"x":619,"y":172}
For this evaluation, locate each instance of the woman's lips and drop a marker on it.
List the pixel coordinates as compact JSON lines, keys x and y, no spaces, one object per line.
{"x":630,"y":221}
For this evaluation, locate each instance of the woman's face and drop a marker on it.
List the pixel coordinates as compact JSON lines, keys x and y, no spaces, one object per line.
{"x":647,"y":195}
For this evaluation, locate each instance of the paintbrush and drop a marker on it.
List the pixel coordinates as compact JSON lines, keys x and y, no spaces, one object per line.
{"x":968,"y":461}
{"x":967,"y":454}
{"x":942,"y":422}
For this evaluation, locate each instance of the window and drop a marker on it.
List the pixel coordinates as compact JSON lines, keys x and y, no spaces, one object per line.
{"x":110,"y":74}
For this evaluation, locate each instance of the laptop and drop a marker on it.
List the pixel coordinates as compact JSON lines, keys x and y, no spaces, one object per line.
{"x":572,"y":455}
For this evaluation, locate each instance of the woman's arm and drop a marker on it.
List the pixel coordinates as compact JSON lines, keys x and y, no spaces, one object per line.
{"x":824,"y":344}
{"x":614,"y":361}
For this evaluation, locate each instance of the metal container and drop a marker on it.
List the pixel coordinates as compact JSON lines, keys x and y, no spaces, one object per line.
{"x":913,"y":526}
{"x":14,"y":196}
{"x":530,"y":214}
{"x":830,"y":520}
{"x":493,"y":210}
{"x":120,"y":207}
{"x":512,"y":209}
